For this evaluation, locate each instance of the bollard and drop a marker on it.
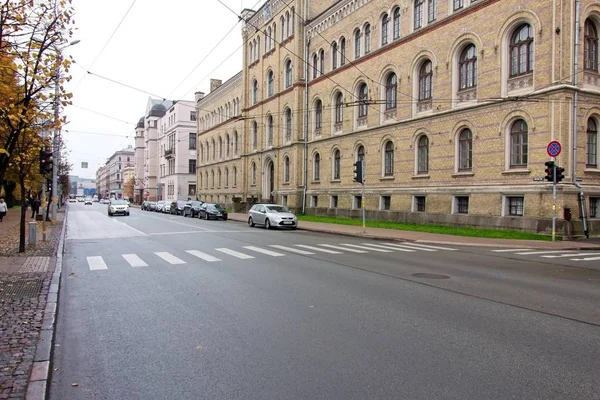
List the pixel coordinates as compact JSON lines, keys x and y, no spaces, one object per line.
{"x":32,"y":234}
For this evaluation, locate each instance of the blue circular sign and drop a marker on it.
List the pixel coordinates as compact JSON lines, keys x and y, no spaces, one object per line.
{"x":554,"y":148}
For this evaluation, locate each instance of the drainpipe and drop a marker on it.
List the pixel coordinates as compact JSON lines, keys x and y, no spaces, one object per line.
{"x":306,"y":70}
{"x":575,"y":83}
{"x":586,"y":232}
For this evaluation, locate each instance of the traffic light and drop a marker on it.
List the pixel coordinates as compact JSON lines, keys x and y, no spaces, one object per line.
{"x":549,"y":171}
{"x":560,"y":174}
{"x":358,"y":172}
{"x":45,"y":161}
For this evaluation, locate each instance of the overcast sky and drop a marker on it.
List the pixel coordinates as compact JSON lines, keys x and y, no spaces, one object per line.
{"x":155,"y":48}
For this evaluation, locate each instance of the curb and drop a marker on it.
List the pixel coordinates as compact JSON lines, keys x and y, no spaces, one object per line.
{"x":39,"y":381}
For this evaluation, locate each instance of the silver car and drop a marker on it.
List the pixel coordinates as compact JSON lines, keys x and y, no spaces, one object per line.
{"x":118,"y":207}
{"x":272,"y":216}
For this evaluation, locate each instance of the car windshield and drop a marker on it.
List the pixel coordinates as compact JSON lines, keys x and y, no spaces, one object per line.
{"x":196,"y":203}
{"x":180,"y":203}
{"x":118,"y":202}
{"x":216,"y":207}
{"x":278,"y":209}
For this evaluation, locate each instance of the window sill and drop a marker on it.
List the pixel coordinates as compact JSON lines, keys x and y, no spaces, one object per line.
{"x":424,"y":176}
{"x":462,"y":174}
{"x":516,"y":171}
{"x":336,"y":181}
{"x":316,"y":182}
{"x":591,"y":170}
{"x":285,"y":183}
{"x":387,"y":178}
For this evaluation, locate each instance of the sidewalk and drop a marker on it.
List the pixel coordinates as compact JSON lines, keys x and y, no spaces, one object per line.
{"x":433,"y":238}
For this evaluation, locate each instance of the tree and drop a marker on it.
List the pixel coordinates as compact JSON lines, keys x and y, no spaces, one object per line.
{"x":128,"y":188}
{"x":31,"y":34}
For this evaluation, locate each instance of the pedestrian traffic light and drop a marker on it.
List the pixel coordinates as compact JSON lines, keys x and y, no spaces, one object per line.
{"x":358,"y":172}
{"x":549,"y":171}
{"x":560,"y":174}
{"x":45,"y":161}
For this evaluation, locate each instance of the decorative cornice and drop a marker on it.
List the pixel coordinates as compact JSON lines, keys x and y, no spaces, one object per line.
{"x":333,"y":16}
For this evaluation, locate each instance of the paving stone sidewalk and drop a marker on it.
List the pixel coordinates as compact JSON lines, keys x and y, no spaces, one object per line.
{"x":25,"y":291}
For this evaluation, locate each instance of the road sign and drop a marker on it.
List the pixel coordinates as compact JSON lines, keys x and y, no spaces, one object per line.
{"x":147,"y":194}
{"x":554,"y":148}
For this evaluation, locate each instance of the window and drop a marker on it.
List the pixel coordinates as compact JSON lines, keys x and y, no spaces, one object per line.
{"x":458,"y":4}
{"x":423,"y":155}
{"x":220,"y":148}
{"x":419,"y":204}
{"x":468,"y":67}
{"x":521,"y":51}
{"x":254,"y":134}
{"x":356,"y":202}
{"x":360,"y":153}
{"x":342,"y":51}
{"x":357,"y":39}
{"x":288,"y":73}
{"x":192,"y":141}
{"x":396,"y":24}
{"x":288,"y":124}
{"x":234,"y":173}
{"x":337,"y":160}
{"x":212,"y":177}
{"x":219,"y":178}
{"x":270,"y":83}
{"x":314,"y":201}
{"x":315,"y":66}
{"x":339,"y":108}
{"x":388,"y":162}
{"x":254,"y":91}
{"x":334,"y":55}
{"x":432,"y":10}
{"x":192,"y":167}
{"x":318,"y":115}
{"x":201,"y":153}
{"x":391,"y":86}
{"x":226,"y":177}
{"x":465,"y":150}
{"x":333,"y":201}
{"x":192,"y":115}
{"x":461,"y":205}
{"x":385,"y":22}
{"x":592,"y":143}
{"x":227,"y":145}
{"x":363,"y":100}
{"x":316,"y":167}
{"x":270,"y":127}
{"x":385,"y":203}
{"x":367,"y":39}
{"x":284,"y":200}
{"x":590,"y":46}
{"x":253,"y":174}
{"x":418,"y":14}
{"x":282,"y":28}
{"x":514,"y":206}
{"x":191,"y":190}
{"x":594,"y":207}
{"x":235,"y":142}
{"x":214,"y":150}
{"x":425,"y":81}
{"x":518,"y":144}
{"x":206,"y":180}
{"x":286,"y":169}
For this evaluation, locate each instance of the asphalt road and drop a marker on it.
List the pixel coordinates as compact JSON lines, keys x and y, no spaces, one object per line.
{"x":154,"y":306}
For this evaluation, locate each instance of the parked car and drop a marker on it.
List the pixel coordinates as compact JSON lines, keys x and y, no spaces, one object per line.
{"x":118,"y":207}
{"x":176,"y":207}
{"x":271,"y":216}
{"x":72,"y":200}
{"x":192,"y":208}
{"x":150,"y":206}
{"x":145,"y":206}
{"x":159,"y":206}
{"x":212,"y":210}
{"x":88,"y":201}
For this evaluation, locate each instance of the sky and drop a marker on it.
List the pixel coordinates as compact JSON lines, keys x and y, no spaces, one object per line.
{"x":135,"y":49}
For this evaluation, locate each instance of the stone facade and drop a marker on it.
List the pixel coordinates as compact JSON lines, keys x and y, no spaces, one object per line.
{"x":450,"y":108}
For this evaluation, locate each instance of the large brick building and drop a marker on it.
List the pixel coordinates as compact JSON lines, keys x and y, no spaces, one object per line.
{"x":451,"y":104}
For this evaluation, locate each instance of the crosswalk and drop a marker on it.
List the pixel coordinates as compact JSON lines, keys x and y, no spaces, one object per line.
{"x":97,"y":263}
{"x":572,"y":255}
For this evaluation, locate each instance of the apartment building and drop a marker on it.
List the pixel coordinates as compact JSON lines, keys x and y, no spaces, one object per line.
{"x":450,"y":104}
{"x":109,"y":177}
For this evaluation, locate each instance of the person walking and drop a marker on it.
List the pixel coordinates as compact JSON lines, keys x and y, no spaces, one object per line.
{"x":35,"y":207}
{"x":3,"y":208}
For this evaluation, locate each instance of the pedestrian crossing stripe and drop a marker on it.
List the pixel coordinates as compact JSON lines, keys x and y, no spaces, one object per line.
{"x":392,"y":248}
{"x":234,"y":253}
{"x":366,"y":248}
{"x":343,"y":248}
{"x":264,"y":251}
{"x":170,"y":258}
{"x":134,"y":260}
{"x":291,"y":249}
{"x":96,"y":263}
{"x":203,"y":256}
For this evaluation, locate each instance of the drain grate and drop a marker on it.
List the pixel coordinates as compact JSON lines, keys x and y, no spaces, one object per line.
{"x":426,"y":275}
{"x":20,"y":289}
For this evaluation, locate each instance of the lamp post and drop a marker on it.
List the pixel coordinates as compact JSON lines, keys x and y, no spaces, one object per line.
{"x":55,"y":141}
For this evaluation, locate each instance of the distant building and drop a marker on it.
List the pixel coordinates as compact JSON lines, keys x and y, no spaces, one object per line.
{"x":110,"y":178}
{"x":82,"y":186}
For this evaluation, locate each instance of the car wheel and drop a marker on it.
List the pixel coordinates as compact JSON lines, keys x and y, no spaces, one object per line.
{"x":206,"y":217}
{"x":267,"y":224}
{"x":250,"y":222}
{"x":225,"y":219}
{"x":128,"y":214}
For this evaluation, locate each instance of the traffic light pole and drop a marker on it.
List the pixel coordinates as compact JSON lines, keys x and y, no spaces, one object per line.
{"x":554,"y":200}
{"x":362,"y":202}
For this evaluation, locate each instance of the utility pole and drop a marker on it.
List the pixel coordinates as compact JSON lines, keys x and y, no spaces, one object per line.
{"x":363,"y":196}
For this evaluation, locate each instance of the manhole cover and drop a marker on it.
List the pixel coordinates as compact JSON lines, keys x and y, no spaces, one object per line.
{"x":20,"y":289}
{"x":425,"y":275}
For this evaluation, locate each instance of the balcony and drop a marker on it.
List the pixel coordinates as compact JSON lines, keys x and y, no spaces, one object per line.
{"x":170,"y":153}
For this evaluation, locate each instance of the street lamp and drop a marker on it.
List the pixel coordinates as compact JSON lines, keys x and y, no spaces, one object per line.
{"x":55,"y":142}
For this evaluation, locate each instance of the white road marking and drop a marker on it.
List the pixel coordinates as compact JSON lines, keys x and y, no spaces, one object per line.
{"x":170,"y":258}
{"x":586,"y":259}
{"x":264,"y":251}
{"x":366,"y":248}
{"x":290,"y":249}
{"x":405,"y":246}
{"x":204,"y":256}
{"x":427,"y":246}
{"x":234,"y":253}
{"x":304,"y":246}
{"x":396,"y":248}
{"x":96,"y":263}
{"x":181,"y":223}
{"x":134,"y":260}
{"x":194,"y":232}
{"x":532,"y":253}
{"x":509,"y":250}
{"x":572,"y":255}
{"x":344,"y":248}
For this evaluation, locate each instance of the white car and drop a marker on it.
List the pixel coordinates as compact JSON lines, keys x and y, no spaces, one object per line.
{"x":88,"y":200}
{"x":272,"y":216}
{"x":118,"y":207}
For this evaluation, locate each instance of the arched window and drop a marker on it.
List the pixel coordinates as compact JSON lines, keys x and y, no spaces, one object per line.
{"x":388,"y":164}
{"x":288,"y":73}
{"x":282,"y":28}
{"x":423,"y":155}
{"x":337,"y":161}
{"x":316,"y":167}
{"x":274,"y":35}
{"x":521,"y":51}
{"x":363,"y":100}
{"x":592,"y":143}
{"x":357,"y":39}
{"x":334,"y":55}
{"x":214,"y":150}
{"x":201,"y":154}
{"x":226,"y":177}
{"x":235,"y":142}
{"x":318,"y":115}
{"x":219,"y":178}
{"x":234,"y":173}
{"x":251,"y":51}
{"x":254,"y":134}
{"x":286,"y":169}
{"x":227,"y":144}
{"x":206,"y":180}
{"x":342,"y":51}
{"x":257,"y":47}
{"x":288,"y":124}
{"x":391,"y":86}
{"x":321,"y":62}
{"x":315,"y":66}
{"x":465,"y":150}
{"x":212,"y":177}
{"x":270,"y":83}
{"x":590,"y":46}
{"x":418,"y":14}
{"x":287,"y":25}
{"x":518,"y":144}
{"x":468,"y":67}
{"x":432,"y":10}
{"x":254,"y":91}
{"x":367,"y":38}
{"x":425,"y":81}
{"x":360,"y":153}
{"x":200,"y":176}
{"x":339,"y":108}
{"x":253,"y":173}
{"x":220,"y":148}
{"x":270,"y":127}
{"x":396,"y":24}
{"x":385,"y":27}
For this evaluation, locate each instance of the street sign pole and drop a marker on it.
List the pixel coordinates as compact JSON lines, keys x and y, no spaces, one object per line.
{"x":554,"y":201}
{"x":363,"y":197}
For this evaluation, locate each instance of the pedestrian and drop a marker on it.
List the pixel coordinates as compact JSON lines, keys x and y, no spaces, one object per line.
{"x":3,"y":208}
{"x":35,"y":207}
